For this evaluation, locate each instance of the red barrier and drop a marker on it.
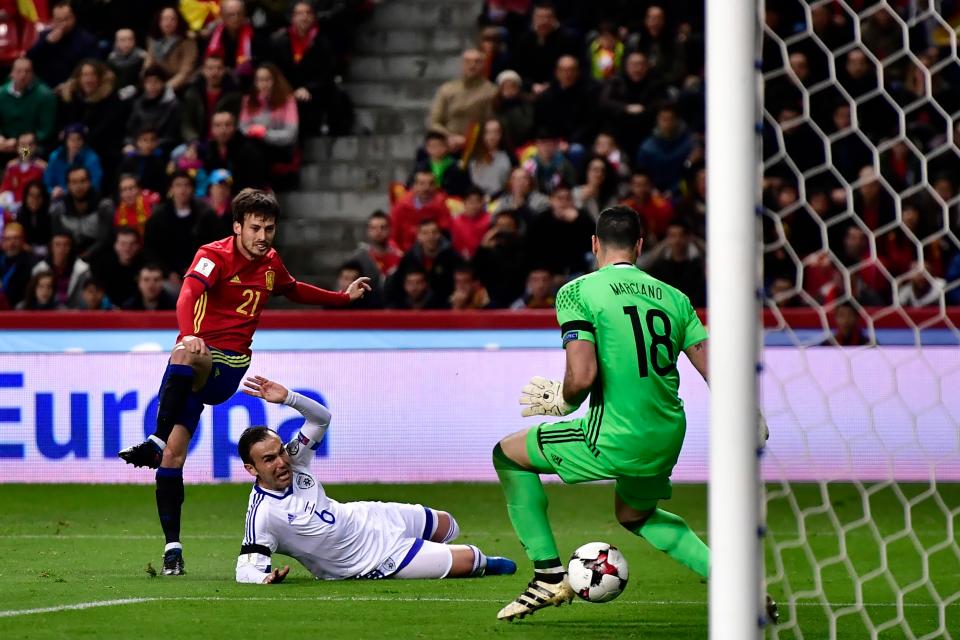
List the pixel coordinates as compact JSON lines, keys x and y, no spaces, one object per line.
{"x":883,"y":318}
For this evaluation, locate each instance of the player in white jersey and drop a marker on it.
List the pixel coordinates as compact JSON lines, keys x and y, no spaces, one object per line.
{"x":290,"y":513}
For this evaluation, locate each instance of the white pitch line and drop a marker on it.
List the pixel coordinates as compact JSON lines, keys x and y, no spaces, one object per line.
{"x":73,"y":607}
{"x":125,"y":601}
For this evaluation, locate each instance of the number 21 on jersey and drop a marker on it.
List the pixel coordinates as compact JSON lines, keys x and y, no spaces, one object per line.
{"x":251,"y":299}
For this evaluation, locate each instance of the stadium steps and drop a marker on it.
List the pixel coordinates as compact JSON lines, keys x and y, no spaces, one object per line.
{"x":403,"y":53}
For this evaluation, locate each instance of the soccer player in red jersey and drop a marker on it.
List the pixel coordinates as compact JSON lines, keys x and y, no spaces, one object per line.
{"x":223,"y":294}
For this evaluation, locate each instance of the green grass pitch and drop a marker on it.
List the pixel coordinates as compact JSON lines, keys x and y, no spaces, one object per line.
{"x":69,"y":545}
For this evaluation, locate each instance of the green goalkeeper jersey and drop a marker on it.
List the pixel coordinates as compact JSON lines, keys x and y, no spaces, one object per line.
{"x":639,"y":325}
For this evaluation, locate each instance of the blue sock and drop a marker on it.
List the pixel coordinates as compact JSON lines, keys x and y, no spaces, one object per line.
{"x":170,"y":501}
{"x":176,"y":386}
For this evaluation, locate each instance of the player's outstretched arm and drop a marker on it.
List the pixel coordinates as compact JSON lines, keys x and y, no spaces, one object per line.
{"x":308,"y":294}
{"x":317,"y":416}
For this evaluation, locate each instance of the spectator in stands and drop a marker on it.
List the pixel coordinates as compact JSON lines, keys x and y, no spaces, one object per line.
{"x":922,"y":289}
{"x":665,"y":151}
{"x":232,"y":39}
{"x":34,"y":215}
{"x":231,"y":150}
{"x":848,"y":332}
{"x":680,"y":264}
{"x":446,"y":170}
{"x":93,"y":296}
{"x":305,"y":57}
{"x":549,"y":167}
{"x":512,"y":16}
{"x":627,"y":100}
{"x":858,"y":75}
{"x":521,"y":197}
{"x":417,"y":294}
{"x":693,"y":204}
{"x":560,"y":237}
{"x":268,"y":113}
{"x":58,"y":48}
{"x":169,"y":237}
{"x":73,"y":153}
{"x":513,"y":110}
{"x":871,"y":201}
{"x":468,"y":292}
{"x":433,"y":254}
{"x":39,"y":294}
{"x":135,"y":204}
{"x":539,"y":293}
{"x":89,"y":98}
{"x":379,"y":255}
{"x":16,"y":264}
{"x":501,"y":261}
{"x":599,"y":190}
{"x":606,"y":53}
{"x":118,"y":269}
{"x":660,"y":47}
{"x":783,"y":292}
{"x":605,"y":146}
{"x":952,"y":276}
{"x":81,"y":214}
{"x":348,"y":272}
{"x":157,"y":108}
{"x":127,"y":62}
{"x":169,"y":48}
{"x":654,"y":210}
{"x":490,"y":165}
{"x":151,"y":295}
{"x":216,"y":223}
{"x":69,"y":271}
{"x":24,"y":169}
{"x":471,"y":225}
{"x":27,"y":105}
{"x":146,"y":161}
{"x":568,"y":106}
{"x":537,"y":51}
{"x":462,"y":103}
{"x":422,"y":202}
{"x":213,"y":91}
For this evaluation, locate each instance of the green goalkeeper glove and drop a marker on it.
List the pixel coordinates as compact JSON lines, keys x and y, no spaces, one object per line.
{"x":544,"y":397}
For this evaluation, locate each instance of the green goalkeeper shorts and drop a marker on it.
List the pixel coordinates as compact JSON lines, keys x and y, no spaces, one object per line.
{"x":561,"y":448}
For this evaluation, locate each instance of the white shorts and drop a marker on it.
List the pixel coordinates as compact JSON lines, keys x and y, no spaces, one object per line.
{"x":412,"y":555}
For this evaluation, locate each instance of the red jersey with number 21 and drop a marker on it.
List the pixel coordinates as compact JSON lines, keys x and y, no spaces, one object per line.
{"x":227,"y":313}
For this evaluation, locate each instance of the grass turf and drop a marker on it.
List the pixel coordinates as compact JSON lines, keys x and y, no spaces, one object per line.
{"x":72,"y":544}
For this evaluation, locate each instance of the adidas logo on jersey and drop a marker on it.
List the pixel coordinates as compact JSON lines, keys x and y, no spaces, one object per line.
{"x":235,"y":280}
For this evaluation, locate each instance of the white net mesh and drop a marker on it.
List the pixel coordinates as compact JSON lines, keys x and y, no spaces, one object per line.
{"x":861,"y":385}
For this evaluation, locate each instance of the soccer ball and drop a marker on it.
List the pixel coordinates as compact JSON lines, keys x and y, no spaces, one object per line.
{"x":598,"y":572}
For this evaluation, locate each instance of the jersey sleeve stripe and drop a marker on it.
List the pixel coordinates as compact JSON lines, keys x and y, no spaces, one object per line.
{"x":199,"y":311}
{"x":577,"y":325}
{"x":202,"y":281}
{"x":255,"y":548}
{"x":250,"y":535}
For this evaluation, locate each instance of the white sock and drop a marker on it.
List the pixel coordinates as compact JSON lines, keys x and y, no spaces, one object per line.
{"x":173,"y":545}
{"x":157,"y":441}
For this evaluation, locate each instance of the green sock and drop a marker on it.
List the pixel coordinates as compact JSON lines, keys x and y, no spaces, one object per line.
{"x":527,"y":508}
{"x":671,"y":534}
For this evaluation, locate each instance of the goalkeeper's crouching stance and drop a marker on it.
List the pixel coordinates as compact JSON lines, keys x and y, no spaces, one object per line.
{"x":290,"y":513}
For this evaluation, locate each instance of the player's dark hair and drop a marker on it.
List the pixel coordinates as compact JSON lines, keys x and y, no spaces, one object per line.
{"x":254,"y":202}
{"x":250,"y":437}
{"x":619,"y":227}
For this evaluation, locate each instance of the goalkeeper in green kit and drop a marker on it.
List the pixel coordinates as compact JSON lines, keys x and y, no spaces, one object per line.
{"x":622,"y":331}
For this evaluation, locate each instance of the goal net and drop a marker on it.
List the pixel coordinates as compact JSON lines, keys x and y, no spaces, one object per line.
{"x":861,"y":377}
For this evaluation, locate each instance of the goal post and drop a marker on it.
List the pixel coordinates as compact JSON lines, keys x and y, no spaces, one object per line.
{"x":735,"y":596}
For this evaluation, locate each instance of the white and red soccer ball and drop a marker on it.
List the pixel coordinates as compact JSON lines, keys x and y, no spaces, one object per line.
{"x":598,"y":572}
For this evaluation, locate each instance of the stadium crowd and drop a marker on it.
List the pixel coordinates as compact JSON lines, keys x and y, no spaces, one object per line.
{"x":125,"y":128}
{"x":563,"y":109}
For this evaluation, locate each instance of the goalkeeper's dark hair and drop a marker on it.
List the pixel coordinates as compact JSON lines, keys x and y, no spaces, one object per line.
{"x":619,"y":227}
{"x":250,"y":437}
{"x":254,"y":202}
